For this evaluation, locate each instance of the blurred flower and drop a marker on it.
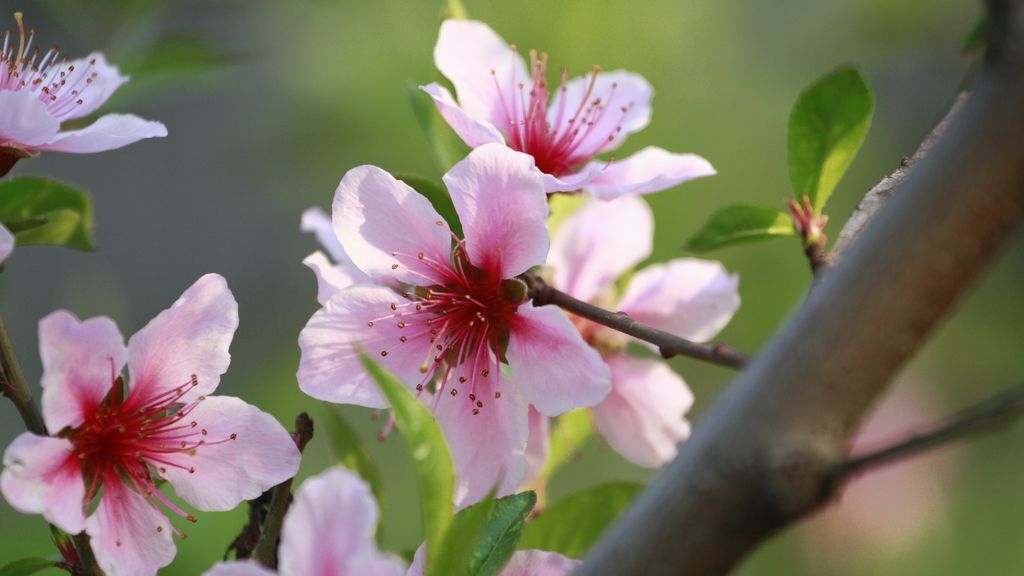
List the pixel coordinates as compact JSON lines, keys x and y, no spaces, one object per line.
{"x":328,"y":530}
{"x":643,"y":416}
{"x":500,"y":100}
{"x":117,"y":443}
{"x":522,"y":563}
{"x":6,"y":243}
{"x":40,"y":90}
{"x":462,"y":319}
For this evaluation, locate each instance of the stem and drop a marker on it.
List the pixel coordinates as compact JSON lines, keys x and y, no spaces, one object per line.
{"x":986,"y":416}
{"x":668,"y":344}
{"x":14,"y":386}
{"x":265,"y":551}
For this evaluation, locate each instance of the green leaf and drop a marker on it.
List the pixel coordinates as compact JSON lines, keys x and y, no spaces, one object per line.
{"x":435,"y":472}
{"x":439,"y":198}
{"x":447,"y":147}
{"x":741,"y":223}
{"x":42,"y":211}
{"x":349,"y":451}
{"x":466,"y":532}
{"x":975,"y":38}
{"x":574,"y":524}
{"x":454,"y":9}
{"x":501,"y":534}
{"x":26,"y":566}
{"x":177,"y":54}
{"x":571,"y":432}
{"x":826,"y":128}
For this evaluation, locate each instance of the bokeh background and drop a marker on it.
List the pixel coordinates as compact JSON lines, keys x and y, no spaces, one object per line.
{"x":281,"y":98}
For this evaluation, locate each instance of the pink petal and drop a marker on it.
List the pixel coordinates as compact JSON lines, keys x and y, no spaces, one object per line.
{"x":80,"y":362}
{"x":690,"y":298}
{"x":501,"y":202}
{"x":189,"y":338}
{"x":6,"y":243}
{"x":474,"y":132}
{"x":329,"y":366}
{"x":330,"y":278}
{"x":555,"y":369}
{"x":129,"y":537}
{"x":573,"y":182}
{"x":625,"y":99}
{"x":226,"y":471}
{"x":244,"y":568}
{"x":477,"y":61}
{"x":643,"y":417}
{"x":317,"y":222}
{"x":103,"y":80}
{"x":538,"y":445}
{"x":330,"y":527}
{"x":41,"y":475}
{"x":110,"y":132}
{"x":24,"y":120}
{"x":539,"y":563}
{"x":599,"y":243}
{"x":385,"y":225}
{"x":649,"y":170}
{"x":488,"y":447}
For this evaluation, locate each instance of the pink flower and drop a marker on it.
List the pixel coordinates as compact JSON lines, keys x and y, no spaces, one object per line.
{"x":6,"y":243}
{"x":330,"y":277}
{"x":501,"y":100}
{"x":460,"y":331}
{"x":522,"y":563}
{"x":643,"y":417}
{"x":41,"y":89}
{"x":328,"y":530}
{"x":113,"y":442}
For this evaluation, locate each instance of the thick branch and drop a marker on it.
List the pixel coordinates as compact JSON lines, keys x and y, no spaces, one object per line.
{"x":668,"y":344}
{"x":14,"y":386}
{"x":265,"y":551}
{"x":765,"y":453}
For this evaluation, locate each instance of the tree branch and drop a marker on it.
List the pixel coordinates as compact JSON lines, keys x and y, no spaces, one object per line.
{"x":668,"y":344}
{"x":765,"y":453}
{"x":14,"y":386}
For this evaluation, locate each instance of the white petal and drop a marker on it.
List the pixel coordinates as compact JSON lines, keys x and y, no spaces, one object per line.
{"x":110,"y":132}
{"x":24,"y":120}
{"x":649,"y":170}
{"x":473,"y":132}
{"x":41,"y":475}
{"x":129,"y":537}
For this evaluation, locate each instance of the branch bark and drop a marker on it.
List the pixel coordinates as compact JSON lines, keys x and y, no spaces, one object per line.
{"x":765,"y":453}
{"x":14,"y":386}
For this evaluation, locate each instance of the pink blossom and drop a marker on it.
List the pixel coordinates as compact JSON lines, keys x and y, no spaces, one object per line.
{"x":6,"y":243}
{"x":643,"y":417}
{"x":522,"y":563}
{"x":39,"y":90}
{"x":114,"y":442}
{"x":501,"y":100}
{"x":336,"y":272}
{"x":328,"y":530}
{"x":460,"y":330}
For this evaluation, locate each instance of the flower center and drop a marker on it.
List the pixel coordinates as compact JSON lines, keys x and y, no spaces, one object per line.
{"x":564,"y":138}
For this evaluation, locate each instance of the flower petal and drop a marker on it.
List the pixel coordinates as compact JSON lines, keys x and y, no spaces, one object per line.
{"x":129,"y":537}
{"x":6,"y":243}
{"x":477,"y":61}
{"x":330,"y":527}
{"x":538,"y":445}
{"x":643,"y":417}
{"x":500,"y":198}
{"x":385,"y":225}
{"x":80,"y":362}
{"x":317,"y":222}
{"x":691,"y":298}
{"x":539,"y":563}
{"x":110,"y":132}
{"x":551,"y":364}
{"x":246,"y":452}
{"x":473,"y":132}
{"x":41,"y":475}
{"x":599,"y":243}
{"x":191,"y":337}
{"x":245,"y":568}
{"x":649,"y":170}
{"x":573,"y":182}
{"x":329,"y":366}
{"x":96,"y":81}
{"x":488,"y":447}
{"x":330,"y":278}
{"x":617,"y":104}
{"x":24,"y":120}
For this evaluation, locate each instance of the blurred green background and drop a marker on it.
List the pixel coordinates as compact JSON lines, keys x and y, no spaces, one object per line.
{"x":288,"y":95}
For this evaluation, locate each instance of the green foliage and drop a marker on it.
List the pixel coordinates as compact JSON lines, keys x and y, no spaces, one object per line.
{"x":438,"y":196}
{"x":501,"y":534}
{"x":435,"y":472}
{"x":740,"y":223}
{"x":466,"y":532}
{"x":178,"y":54}
{"x":826,"y":128}
{"x":42,"y":211}
{"x":26,"y":566}
{"x":571,"y":432}
{"x":574,"y":524}
{"x":349,"y":451}
{"x":454,"y":9}
{"x":447,"y":147}
{"x":975,"y":38}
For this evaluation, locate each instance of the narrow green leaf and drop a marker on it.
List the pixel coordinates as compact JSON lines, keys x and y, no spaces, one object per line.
{"x":501,"y":534}
{"x":435,"y":472}
{"x":447,"y":147}
{"x":975,"y":38}
{"x":466,"y":533}
{"x":438,"y":196}
{"x":826,"y":128}
{"x":574,"y":524}
{"x":454,"y":9}
{"x":349,"y":451}
{"x":26,"y":566}
{"x":571,"y":432}
{"x":65,"y":212}
{"x":741,"y":223}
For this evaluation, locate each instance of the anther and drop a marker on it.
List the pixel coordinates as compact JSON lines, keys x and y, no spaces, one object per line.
{"x":383,"y":353}
{"x":497,"y":394}
{"x":370,"y":324}
{"x":394,"y":266}
{"x":234,"y":436}
{"x":476,"y":411}
{"x":479,"y":404}
{"x":455,"y":392}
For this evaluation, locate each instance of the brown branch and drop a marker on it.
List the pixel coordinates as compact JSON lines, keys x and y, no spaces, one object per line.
{"x":14,"y":386}
{"x":986,"y":416}
{"x":668,"y":344}
{"x":764,"y":454}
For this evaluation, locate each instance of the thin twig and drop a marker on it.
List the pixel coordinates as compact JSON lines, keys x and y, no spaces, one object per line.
{"x":668,"y":344}
{"x":14,"y":386}
{"x":986,"y":416}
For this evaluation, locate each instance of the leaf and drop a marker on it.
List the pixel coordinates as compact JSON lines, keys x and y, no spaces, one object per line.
{"x":42,"y":211}
{"x":454,"y":9}
{"x":572,"y":525}
{"x":177,"y":54}
{"x":26,"y":566}
{"x":741,"y":223}
{"x":349,"y":451}
{"x":435,"y":472}
{"x":466,"y":532}
{"x":826,"y":128}
{"x":447,"y":147}
{"x":502,"y":533}
{"x":572,"y":430}
{"x":439,"y":198}
{"x":975,"y":38}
